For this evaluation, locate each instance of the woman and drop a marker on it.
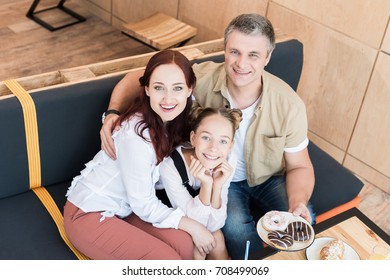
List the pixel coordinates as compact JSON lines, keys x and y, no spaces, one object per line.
{"x":112,"y":211}
{"x":208,"y":169}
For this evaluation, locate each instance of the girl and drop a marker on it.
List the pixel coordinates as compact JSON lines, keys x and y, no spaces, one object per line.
{"x":112,"y":211}
{"x":209,"y":169}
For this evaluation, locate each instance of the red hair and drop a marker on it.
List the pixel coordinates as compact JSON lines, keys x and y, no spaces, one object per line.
{"x":164,"y":137}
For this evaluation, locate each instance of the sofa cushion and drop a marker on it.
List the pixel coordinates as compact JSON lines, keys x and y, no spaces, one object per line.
{"x":28,"y":231}
{"x":334,"y":184}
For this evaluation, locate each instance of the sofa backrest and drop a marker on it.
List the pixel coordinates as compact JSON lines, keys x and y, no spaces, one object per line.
{"x":69,"y":121}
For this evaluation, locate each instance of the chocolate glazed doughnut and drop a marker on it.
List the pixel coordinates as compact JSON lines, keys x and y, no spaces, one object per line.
{"x":280,"y":239}
{"x":299,"y":231}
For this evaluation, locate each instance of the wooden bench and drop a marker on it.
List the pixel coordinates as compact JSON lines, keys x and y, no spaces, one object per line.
{"x":160,"y":31}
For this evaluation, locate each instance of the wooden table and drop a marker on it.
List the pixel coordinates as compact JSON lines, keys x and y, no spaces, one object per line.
{"x":352,"y":226}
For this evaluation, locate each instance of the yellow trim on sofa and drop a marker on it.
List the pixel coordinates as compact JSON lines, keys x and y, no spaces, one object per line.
{"x":34,"y":160}
{"x":55,"y":213}
{"x":31,"y":129}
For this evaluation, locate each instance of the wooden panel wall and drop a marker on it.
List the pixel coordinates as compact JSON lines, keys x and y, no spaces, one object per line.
{"x":370,"y":144}
{"x":329,"y":86}
{"x":135,"y":10}
{"x":345,"y":79}
{"x":211,"y":17}
{"x":386,"y":41}
{"x":363,"y":20}
{"x":101,"y":8}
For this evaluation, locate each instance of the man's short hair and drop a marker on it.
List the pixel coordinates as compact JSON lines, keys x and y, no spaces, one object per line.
{"x":252,"y":24}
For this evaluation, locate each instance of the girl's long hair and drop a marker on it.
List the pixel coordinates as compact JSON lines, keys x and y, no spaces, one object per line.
{"x":164,"y":137}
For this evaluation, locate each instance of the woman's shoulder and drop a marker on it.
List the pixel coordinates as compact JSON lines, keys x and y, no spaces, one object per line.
{"x":130,"y":127}
{"x":133,"y":120}
{"x":129,"y":135}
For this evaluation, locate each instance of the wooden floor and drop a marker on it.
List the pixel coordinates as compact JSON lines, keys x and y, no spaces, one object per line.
{"x":27,"y":49}
{"x":375,"y":204}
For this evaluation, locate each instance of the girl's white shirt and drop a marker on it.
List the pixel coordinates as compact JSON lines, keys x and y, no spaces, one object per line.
{"x":125,"y":185}
{"x":212,"y":218}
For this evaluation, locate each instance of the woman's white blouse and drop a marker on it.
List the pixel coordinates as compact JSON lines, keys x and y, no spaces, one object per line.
{"x":212,"y":218}
{"x":125,"y":185}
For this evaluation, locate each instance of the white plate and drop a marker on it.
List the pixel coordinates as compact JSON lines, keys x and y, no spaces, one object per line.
{"x":313,"y":252}
{"x":297,"y":245}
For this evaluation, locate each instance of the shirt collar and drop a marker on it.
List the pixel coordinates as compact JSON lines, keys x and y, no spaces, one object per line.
{"x":221,"y":86}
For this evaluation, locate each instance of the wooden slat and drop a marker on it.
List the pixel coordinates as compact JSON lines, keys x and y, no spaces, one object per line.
{"x":34,"y":82}
{"x":76,"y":75}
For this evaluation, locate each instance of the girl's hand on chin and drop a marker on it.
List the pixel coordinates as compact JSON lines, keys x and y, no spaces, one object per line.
{"x":200,"y":172}
{"x":221,"y":173}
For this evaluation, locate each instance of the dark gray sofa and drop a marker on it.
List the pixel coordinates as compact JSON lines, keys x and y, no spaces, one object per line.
{"x":69,"y":120}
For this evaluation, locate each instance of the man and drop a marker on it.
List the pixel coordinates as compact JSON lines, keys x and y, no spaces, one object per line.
{"x":274,"y":168}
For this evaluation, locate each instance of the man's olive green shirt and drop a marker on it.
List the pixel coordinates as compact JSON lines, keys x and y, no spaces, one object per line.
{"x":279,"y":120}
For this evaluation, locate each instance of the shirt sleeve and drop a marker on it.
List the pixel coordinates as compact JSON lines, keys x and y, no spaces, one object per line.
{"x":179,"y":196}
{"x":218,"y":216}
{"x":298,"y":148}
{"x":137,"y":161}
{"x":297,"y":125}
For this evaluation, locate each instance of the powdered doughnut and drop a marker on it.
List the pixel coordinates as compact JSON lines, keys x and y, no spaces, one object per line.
{"x":300,"y":231}
{"x":280,"y":239}
{"x":274,"y":220}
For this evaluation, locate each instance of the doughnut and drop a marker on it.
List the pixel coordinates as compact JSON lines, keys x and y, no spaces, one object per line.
{"x":274,"y":220}
{"x":280,"y":239}
{"x":300,"y":231}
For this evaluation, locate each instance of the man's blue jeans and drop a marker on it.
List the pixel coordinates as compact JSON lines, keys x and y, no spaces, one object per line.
{"x":240,"y":225}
